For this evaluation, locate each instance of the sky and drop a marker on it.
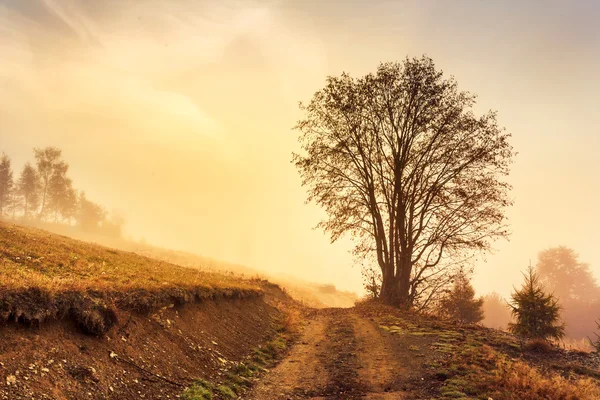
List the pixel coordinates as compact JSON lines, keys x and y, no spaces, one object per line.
{"x":179,"y":113}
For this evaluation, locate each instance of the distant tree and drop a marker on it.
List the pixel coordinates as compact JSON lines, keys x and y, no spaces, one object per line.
{"x":6,"y":183}
{"x":48,"y":160}
{"x":562,"y":273}
{"x":399,"y":160}
{"x":536,"y":312}
{"x":90,"y":215}
{"x":113,"y":225}
{"x":28,"y":188}
{"x":14,"y":204}
{"x":460,"y":303}
{"x":496,"y":311}
{"x":62,"y":199}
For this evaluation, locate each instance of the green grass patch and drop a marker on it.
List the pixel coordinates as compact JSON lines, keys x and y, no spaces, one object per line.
{"x":199,"y":390}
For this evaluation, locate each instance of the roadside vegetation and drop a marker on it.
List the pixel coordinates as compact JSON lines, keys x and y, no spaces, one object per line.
{"x":46,"y":276}
{"x":472,"y":362}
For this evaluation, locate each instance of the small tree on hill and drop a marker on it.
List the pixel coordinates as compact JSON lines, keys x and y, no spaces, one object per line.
{"x":536,"y":312}
{"x":460,"y":303}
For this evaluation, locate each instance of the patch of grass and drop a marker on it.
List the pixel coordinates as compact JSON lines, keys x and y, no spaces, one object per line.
{"x":444,"y":347}
{"x":199,"y":390}
{"x":47,"y":276}
{"x":225,"y":392}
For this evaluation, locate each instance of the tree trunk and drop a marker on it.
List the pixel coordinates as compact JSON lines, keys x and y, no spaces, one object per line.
{"x":404,"y":280}
{"x":395,"y":290}
{"x":43,"y":201}
{"x":388,"y":289}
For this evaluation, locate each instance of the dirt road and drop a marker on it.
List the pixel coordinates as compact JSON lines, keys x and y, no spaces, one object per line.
{"x":344,"y":355}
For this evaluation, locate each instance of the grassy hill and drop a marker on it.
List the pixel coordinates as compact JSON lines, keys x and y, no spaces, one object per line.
{"x":311,"y":294}
{"x":47,"y":276}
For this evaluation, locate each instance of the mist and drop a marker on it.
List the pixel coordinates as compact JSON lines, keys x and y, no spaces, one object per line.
{"x":179,"y":115}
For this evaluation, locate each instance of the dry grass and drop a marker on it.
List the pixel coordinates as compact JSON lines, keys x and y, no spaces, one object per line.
{"x":477,"y":370}
{"x":526,"y":382}
{"x":472,"y":362}
{"x":46,"y":276}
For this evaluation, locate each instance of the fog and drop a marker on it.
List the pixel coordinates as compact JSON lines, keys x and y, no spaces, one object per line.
{"x":178,"y":114}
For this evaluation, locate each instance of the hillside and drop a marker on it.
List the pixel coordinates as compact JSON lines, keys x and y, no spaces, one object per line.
{"x":45,"y":276}
{"x":83,"y":321}
{"x":312,"y":294}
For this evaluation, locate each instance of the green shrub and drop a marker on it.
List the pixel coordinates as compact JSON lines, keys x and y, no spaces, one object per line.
{"x":536,"y":312}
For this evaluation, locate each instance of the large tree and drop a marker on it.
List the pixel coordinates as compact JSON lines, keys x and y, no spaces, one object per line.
{"x":400,"y":160}
{"x":28,"y":187}
{"x":6,"y":183}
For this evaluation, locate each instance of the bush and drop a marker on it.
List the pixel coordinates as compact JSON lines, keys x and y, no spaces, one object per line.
{"x":538,"y":346}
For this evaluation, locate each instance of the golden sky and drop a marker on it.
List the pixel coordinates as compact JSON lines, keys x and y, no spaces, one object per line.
{"x":178,"y":113}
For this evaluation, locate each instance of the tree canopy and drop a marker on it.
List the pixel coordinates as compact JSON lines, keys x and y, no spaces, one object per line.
{"x":399,"y":160}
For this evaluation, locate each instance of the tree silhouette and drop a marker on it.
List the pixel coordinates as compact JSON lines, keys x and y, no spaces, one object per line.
{"x":28,"y":187}
{"x":536,"y":312}
{"x":399,"y":160}
{"x":562,"y":273}
{"x":62,"y":199}
{"x":48,"y":160}
{"x":571,"y":280}
{"x":6,"y":183}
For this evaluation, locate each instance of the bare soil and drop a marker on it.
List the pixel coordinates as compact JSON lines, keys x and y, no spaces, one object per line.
{"x":146,"y":357}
